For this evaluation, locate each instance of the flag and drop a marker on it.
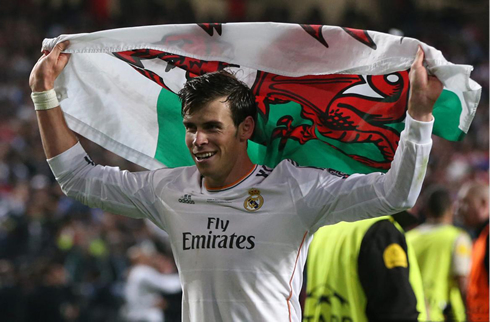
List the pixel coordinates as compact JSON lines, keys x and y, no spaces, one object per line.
{"x":327,"y":96}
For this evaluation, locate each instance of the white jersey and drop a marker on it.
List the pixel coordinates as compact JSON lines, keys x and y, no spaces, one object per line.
{"x":241,"y":250}
{"x":142,"y":293}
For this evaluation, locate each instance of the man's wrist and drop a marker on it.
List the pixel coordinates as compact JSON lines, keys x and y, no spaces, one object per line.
{"x":45,"y":100}
{"x":421,"y":117}
{"x":40,"y":84}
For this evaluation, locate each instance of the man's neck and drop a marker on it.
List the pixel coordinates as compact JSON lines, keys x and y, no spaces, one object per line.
{"x":442,"y":220}
{"x":235,"y":176}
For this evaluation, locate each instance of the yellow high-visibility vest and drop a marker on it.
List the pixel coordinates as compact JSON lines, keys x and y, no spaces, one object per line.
{"x":434,"y":251}
{"x":334,"y":291}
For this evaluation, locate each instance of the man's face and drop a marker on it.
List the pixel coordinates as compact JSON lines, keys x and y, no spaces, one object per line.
{"x":469,"y":208}
{"x":212,"y":140}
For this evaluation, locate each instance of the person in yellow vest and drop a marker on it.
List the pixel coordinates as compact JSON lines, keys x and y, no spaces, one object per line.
{"x":363,"y":271}
{"x":473,"y":201}
{"x":444,"y":256}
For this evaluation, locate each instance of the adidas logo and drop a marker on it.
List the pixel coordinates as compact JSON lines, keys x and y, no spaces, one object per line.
{"x":186,"y":199}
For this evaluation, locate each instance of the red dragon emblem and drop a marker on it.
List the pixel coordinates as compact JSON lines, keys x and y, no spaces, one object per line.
{"x":337,"y":111}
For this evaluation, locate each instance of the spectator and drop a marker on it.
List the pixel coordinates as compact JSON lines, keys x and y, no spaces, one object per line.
{"x":150,"y":275}
{"x":444,"y":255}
{"x":473,"y":199}
{"x":363,"y":271}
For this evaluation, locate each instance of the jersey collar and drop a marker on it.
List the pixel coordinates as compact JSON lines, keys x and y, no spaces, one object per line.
{"x":230,"y":186}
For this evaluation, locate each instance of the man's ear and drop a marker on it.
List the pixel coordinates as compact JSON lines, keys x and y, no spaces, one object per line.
{"x":246,"y":129}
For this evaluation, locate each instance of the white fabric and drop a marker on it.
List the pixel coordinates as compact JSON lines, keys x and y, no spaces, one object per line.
{"x":272,"y":47}
{"x":142,"y":293}
{"x":129,"y":127}
{"x":239,"y":265}
{"x":107,"y":101}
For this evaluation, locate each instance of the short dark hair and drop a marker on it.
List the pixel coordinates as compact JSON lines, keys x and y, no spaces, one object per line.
{"x":201,"y":90}
{"x":437,"y":202}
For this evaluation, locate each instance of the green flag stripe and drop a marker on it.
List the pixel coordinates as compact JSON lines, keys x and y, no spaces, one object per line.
{"x":447,"y":111}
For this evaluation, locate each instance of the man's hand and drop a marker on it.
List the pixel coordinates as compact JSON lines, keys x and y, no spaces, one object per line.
{"x":424,"y":90}
{"x":48,"y":67}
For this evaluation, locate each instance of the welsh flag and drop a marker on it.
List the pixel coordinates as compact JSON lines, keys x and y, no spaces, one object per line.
{"x":327,"y":96}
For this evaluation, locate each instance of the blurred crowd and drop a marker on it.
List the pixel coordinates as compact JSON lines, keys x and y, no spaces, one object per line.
{"x":61,"y":261}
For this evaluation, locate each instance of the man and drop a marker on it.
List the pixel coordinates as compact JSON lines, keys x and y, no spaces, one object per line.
{"x":364,"y":271}
{"x":473,"y":207}
{"x":239,"y":231}
{"x":444,"y":256}
{"x":145,"y":283}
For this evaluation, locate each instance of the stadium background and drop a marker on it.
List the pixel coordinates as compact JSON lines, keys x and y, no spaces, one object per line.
{"x":57,"y":253}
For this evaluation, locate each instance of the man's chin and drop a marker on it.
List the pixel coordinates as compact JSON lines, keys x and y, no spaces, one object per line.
{"x":204,"y":169}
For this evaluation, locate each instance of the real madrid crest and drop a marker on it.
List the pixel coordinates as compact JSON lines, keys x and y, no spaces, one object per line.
{"x":254,"y":201}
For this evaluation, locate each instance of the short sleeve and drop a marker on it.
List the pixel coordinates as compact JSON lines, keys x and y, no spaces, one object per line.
{"x":383,"y":268}
{"x":461,"y":262}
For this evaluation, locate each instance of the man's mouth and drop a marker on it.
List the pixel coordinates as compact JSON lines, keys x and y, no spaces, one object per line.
{"x":204,"y":155}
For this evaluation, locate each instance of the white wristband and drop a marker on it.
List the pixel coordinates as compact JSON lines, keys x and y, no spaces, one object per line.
{"x":44,"y":100}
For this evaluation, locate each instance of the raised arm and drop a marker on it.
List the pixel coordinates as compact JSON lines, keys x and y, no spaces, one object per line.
{"x":328,"y":199}
{"x":108,"y":188}
{"x":56,"y":136}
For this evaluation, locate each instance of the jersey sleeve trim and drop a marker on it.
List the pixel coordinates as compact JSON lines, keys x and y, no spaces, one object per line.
{"x":418,"y":132}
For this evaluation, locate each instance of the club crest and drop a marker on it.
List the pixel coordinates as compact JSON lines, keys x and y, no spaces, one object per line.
{"x":255,"y":201}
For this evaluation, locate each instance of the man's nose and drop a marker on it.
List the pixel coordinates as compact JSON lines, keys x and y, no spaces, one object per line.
{"x":200,"y":139}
